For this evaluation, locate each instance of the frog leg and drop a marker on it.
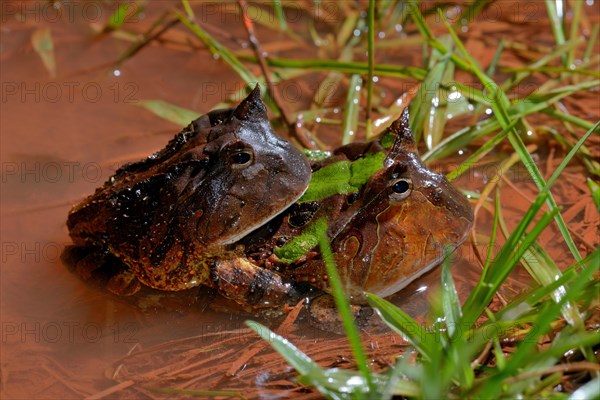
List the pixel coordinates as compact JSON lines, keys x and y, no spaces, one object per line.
{"x":323,"y":314}
{"x":96,"y":265}
{"x":252,"y":287}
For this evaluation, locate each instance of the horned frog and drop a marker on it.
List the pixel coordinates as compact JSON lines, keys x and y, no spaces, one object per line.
{"x":166,"y":221}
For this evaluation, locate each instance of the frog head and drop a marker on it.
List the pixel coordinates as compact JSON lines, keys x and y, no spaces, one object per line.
{"x":398,"y":225}
{"x":221,"y":177}
{"x":407,"y":218}
{"x":251,"y":174}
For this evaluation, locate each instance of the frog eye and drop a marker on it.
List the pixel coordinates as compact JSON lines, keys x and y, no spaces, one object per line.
{"x":401,"y":188}
{"x":241,"y":158}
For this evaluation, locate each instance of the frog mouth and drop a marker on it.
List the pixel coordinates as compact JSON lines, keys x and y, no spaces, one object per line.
{"x":264,"y":221}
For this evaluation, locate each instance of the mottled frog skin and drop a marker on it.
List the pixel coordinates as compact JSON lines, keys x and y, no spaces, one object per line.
{"x":165,"y":221}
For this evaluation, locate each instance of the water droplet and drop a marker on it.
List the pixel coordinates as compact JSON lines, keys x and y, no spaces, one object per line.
{"x":589,"y":2}
{"x":559,"y":9}
{"x":356,"y":32}
{"x":421,"y":289}
{"x":350,"y":133}
{"x":375,"y":79}
{"x":336,"y":110}
{"x":117,"y":72}
{"x":381,"y":35}
{"x":488,"y":111}
{"x":529,"y":133}
{"x":449,"y":116}
{"x":318,"y":119}
{"x":461,"y":152}
{"x":245,"y":45}
{"x":454,"y":96}
{"x":381,"y":121}
{"x":355,"y":101}
{"x":216,"y":56}
{"x":398,"y":27}
{"x":464,"y":28}
{"x":357,"y":87}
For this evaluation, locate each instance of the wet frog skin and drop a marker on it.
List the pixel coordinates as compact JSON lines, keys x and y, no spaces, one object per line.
{"x":164,"y":222}
{"x":384,"y":236}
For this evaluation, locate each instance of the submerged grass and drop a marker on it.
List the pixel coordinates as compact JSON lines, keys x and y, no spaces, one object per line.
{"x":464,"y":353}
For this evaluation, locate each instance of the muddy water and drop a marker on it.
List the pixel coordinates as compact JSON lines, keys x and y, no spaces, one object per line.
{"x":62,"y":137}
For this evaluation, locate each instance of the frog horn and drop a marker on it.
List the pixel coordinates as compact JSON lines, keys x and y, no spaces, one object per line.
{"x":252,"y":107}
{"x":404,"y":141}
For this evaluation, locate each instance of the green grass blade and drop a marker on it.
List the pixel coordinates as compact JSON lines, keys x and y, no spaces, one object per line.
{"x":351,"y":67}
{"x":579,"y":71}
{"x":218,"y":49}
{"x":352,"y":106}
{"x":404,"y":325}
{"x":118,"y":18}
{"x":450,"y":302}
{"x":41,"y":40}
{"x":492,"y":242}
{"x":526,"y":352}
{"x":530,"y":105}
{"x":589,"y":48}
{"x":499,"y":269}
{"x":188,"y":9}
{"x":492,"y":68}
{"x":502,"y":115}
{"x":569,"y":156}
{"x":595,"y":190}
{"x":297,"y":359}
{"x":559,"y":51}
{"x":555,"y":22}
{"x":427,"y":96}
{"x":568,"y":118}
{"x":396,"y":385}
{"x":371,"y":62}
{"x":221,"y":51}
{"x":343,"y":307}
{"x":525,"y":303}
{"x":278,"y":8}
{"x":431,"y":39}
{"x":178,"y":115}
{"x":309,"y":370}
{"x":438,"y":101}
{"x":480,"y":153}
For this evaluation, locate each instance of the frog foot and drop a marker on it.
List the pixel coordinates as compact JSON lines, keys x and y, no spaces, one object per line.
{"x":323,"y":315}
{"x":253,"y":288}
{"x":99,"y":267}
